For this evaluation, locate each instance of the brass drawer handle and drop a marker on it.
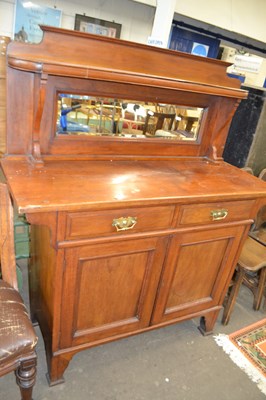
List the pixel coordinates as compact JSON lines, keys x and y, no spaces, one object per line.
{"x":124,"y":223}
{"x":219,"y":214}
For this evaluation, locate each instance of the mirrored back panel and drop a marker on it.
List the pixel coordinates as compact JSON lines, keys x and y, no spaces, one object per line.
{"x":94,"y":116}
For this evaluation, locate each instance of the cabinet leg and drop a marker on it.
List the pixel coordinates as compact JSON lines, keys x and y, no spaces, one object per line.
{"x":58,"y":365}
{"x":207,"y":322}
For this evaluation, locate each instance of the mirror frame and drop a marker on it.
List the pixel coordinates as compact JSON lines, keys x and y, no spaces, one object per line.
{"x":95,"y":145}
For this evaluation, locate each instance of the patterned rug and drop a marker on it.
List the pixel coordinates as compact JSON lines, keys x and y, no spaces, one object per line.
{"x":247,"y":348}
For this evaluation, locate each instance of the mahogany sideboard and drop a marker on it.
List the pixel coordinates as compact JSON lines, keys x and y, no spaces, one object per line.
{"x":114,"y":153}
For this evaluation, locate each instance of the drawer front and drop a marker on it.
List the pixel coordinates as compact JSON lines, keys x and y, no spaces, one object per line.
{"x":110,"y":222}
{"x":215,"y":212}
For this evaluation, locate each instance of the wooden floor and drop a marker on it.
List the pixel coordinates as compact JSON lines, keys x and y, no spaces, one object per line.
{"x":171,"y":363}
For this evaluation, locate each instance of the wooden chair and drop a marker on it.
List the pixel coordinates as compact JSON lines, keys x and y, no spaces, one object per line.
{"x":251,"y":270}
{"x":160,"y":119}
{"x":17,"y":336}
{"x":262,"y":174}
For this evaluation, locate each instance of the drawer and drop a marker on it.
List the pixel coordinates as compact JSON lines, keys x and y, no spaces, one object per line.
{"x":109,"y":222}
{"x":215,"y":212}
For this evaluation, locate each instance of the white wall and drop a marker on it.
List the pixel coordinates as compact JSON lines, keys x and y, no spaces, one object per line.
{"x":136,"y":19}
{"x":6,"y":17}
{"x":243,"y":16}
{"x":246,"y":17}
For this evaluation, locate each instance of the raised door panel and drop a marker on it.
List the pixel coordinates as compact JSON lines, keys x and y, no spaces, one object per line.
{"x":197,"y":270}
{"x":109,"y":289}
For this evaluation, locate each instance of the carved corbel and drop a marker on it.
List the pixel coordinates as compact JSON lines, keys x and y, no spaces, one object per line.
{"x":221,"y":128}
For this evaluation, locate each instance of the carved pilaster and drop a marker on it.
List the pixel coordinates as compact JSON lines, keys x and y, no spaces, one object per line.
{"x":36,"y":151}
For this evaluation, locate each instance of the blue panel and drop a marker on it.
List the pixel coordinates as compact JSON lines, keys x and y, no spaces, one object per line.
{"x":195,"y":43}
{"x":240,"y":77}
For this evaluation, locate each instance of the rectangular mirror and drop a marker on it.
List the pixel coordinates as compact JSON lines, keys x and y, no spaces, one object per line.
{"x":94,"y":116}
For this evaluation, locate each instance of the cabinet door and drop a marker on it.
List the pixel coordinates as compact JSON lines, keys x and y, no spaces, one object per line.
{"x":196,"y":273}
{"x":109,"y":289}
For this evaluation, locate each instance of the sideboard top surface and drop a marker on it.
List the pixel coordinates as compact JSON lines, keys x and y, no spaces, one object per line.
{"x":77,"y":185}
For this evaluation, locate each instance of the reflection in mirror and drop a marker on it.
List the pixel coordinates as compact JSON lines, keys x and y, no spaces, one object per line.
{"x":94,"y":116}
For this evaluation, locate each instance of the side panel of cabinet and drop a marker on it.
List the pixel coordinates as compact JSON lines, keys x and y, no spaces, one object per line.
{"x":109,"y":288}
{"x":196,"y":272}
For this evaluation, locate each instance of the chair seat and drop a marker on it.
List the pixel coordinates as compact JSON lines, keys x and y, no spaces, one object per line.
{"x":251,"y":271}
{"x":17,"y":336}
{"x":253,"y":255}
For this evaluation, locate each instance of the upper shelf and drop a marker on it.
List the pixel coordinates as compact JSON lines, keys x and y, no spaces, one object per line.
{"x":76,"y":54}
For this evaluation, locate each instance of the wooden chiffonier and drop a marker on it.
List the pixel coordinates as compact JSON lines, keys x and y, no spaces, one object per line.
{"x":115,"y":156}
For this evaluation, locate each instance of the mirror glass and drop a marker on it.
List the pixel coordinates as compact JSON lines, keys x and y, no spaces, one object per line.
{"x":93,"y":116}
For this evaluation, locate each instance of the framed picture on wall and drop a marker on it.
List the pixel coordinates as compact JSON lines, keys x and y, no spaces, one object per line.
{"x":97,"y":26}
{"x":28,"y":16}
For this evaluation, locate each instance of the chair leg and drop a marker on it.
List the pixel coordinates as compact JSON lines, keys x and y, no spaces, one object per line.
{"x":26,"y":377}
{"x":260,"y":289}
{"x":233,"y":295}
